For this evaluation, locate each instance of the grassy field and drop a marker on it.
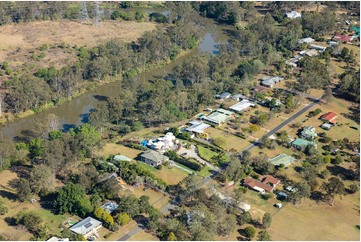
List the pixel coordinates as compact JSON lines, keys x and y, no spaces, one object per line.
{"x":170,"y":174}
{"x":143,"y":236}
{"x":205,"y":153}
{"x":231,"y":140}
{"x":115,"y":149}
{"x":157,"y":199}
{"x":312,"y":221}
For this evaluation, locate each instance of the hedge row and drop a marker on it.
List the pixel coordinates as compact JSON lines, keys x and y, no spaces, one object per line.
{"x":184,"y":161}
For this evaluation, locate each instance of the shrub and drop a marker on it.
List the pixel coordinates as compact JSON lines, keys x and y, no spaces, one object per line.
{"x":250,"y":232}
{"x":266,"y":196}
{"x":353,"y":188}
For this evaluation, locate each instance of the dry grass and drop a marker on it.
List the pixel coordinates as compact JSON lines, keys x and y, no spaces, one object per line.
{"x":231,"y":140}
{"x":115,"y":149}
{"x":155,"y":198}
{"x":143,"y":236}
{"x":312,"y":221}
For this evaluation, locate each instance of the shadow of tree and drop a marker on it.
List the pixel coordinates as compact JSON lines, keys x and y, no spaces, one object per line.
{"x":10,"y":221}
{"x":101,"y":97}
{"x":343,"y":173}
{"x":9,"y":195}
{"x":317,"y":196}
{"x":22,"y":171}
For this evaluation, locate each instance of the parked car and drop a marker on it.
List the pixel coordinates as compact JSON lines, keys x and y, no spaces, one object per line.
{"x":278,"y":205}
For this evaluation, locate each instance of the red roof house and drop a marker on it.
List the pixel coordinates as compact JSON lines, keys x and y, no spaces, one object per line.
{"x":268,"y":179}
{"x":259,"y":186}
{"x":331,"y":117}
{"x":342,"y":38}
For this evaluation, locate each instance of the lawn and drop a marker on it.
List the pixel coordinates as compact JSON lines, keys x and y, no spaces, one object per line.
{"x":157,"y":199}
{"x":232,"y":141}
{"x":205,"y":153}
{"x":115,"y":149}
{"x":170,"y":174}
{"x":318,"y":221}
{"x":143,"y":236}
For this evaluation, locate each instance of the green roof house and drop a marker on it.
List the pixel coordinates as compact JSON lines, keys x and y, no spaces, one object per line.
{"x":309,"y":133}
{"x":153,"y":158}
{"x":301,"y":144}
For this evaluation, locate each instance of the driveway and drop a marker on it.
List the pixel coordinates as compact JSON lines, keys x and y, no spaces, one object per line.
{"x":192,"y":153}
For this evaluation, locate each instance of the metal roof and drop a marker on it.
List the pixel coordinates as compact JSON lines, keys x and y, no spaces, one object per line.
{"x":86,"y":225}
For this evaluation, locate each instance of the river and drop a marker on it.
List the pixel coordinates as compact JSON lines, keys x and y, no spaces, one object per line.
{"x":76,"y":111}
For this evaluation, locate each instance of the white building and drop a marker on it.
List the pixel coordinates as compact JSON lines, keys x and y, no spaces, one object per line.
{"x":197,"y":127}
{"x":162,"y":144}
{"x":293,"y":15}
{"x":87,"y":227}
{"x":307,"y":40}
{"x":242,"y":105}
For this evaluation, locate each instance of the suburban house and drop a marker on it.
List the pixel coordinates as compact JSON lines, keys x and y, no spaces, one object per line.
{"x":163,"y":144}
{"x":197,"y":127}
{"x":342,"y":38}
{"x":309,"y":133}
{"x":265,"y":183}
{"x":309,"y":53}
{"x":318,"y":47}
{"x":282,"y":159}
{"x":301,"y":144}
{"x":306,"y":40}
{"x":326,"y":126}
{"x":109,"y":207}
{"x":260,"y":89}
{"x":87,"y":227}
{"x":238,"y":97}
{"x":153,"y":158}
{"x":121,"y":158}
{"x":57,"y":239}
{"x":224,"y":96}
{"x":228,"y":200}
{"x":242,"y":105}
{"x":293,"y":15}
{"x":268,"y":81}
{"x":330,"y":117}
{"x":218,"y":117}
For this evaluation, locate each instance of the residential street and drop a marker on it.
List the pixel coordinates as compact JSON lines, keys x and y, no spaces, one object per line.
{"x":164,"y":210}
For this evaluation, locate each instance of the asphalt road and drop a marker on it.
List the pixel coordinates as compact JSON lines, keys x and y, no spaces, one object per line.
{"x":165,"y":209}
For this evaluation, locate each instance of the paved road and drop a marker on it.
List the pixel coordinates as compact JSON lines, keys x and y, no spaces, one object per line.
{"x":165,"y":209}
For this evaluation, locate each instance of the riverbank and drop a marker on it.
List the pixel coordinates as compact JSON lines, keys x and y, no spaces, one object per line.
{"x":89,"y":86}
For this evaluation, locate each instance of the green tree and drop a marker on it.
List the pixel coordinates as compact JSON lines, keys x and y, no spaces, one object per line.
{"x":171,"y":237}
{"x":302,"y":190}
{"x":266,"y":220}
{"x":264,"y":236}
{"x":244,"y":218}
{"x":88,"y":137}
{"x":123,"y":219}
{"x":23,"y":190}
{"x":333,"y":187}
{"x":72,"y":199}
{"x":36,"y":148}
{"x":338,"y":159}
{"x":3,"y":208}
{"x":42,"y":179}
{"x":219,"y":141}
{"x":250,"y":232}
{"x":30,"y":220}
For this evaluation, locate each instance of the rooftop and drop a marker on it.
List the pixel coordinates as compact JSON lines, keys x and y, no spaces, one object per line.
{"x":224,"y":111}
{"x":242,"y":105}
{"x":154,"y":156}
{"x":198,"y":128}
{"x":302,"y":142}
{"x":121,"y":158}
{"x":110,"y":207}
{"x":216,"y":117}
{"x":85,"y":226}
{"x":255,"y":183}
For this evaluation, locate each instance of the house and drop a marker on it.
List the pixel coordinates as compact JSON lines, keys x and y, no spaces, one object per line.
{"x":309,"y":53}
{"x":87,"y":227}
{"x":197,"y":127}
{"x":318,"y":47}
{"x":242,"y":105}
{"x":270,"y":81}
{"x":282,"y":159}
{"x":162,"y":144}
{"x":228,"y":200}
{"x":307,"y":40}
{"x":238,"y":97}
{"x":326,"y":126}
{"x":218,"y":117}
{"x":260,"y":89}
{"x":330,"y":117}
{"x":309,"y":133}
{"x":121,"y":158}
{"x":293,"y":15}
{"x":109,"y":207}
{"x":224,"y":96}
{"x":153,"y":158}
{"x":57,"y":239}
{"x":342,"y":38}
{"x":301,"y":144}
{"x":265,"y":184}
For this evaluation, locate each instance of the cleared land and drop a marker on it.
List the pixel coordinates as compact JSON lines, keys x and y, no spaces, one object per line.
{"x":205,"y":153}
{"x":115,"y":149}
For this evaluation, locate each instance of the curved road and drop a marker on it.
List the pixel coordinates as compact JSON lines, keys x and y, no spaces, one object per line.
{"x":169,"y":206}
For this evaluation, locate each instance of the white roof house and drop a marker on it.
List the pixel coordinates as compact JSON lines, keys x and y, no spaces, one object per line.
{"x":110,"y":207}
{"x":293,"y":15}
{"x":270,"y":81}
{"x":224,"y":95}
{"x":198,"y":128}
{"x":238,"y":97}
{"x":57,"y":239}
{"x":306,"y":40}
{"x":121,"y":158}
{"x":318,"y":47}
{"x":242,"y":105}
{"x":87,"y":227}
